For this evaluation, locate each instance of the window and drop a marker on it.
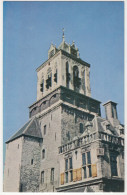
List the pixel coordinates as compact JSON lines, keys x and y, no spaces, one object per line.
{"x":66,"y":164}
{"x":43,"y":153}
{"x":42,"y":177}
{"x":71,"y":176}
{"x":90,"y":173}
{"x":81,"y":127}
{"x":88,"y":158}
{"x":45,"y":130}
{"x":84,"y":172}
{"x":52,"y":174}
{"x":67,"y":75}
{"x":83,"y":159}
{"x":113,"y":161}
{"x":49,"y":81}
{"x":32,"y":161}
{"x":70,"y":163}
{"x":55,"y":76}
{"x":42,"y":86}
{"x":76,"y":79}
{"x":86,"y":164}
{"x":66,"y":177}
{"x":121,"y":131}
{"x":68,"y":170}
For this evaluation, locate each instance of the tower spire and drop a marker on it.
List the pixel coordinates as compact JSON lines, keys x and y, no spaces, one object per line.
{"x":63,"y":35}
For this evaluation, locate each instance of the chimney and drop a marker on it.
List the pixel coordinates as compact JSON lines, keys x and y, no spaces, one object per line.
{"x":111,"y":113}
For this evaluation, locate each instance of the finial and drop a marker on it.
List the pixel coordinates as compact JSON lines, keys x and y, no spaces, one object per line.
{"x":63,"y":34}
{"x":73,"y":43}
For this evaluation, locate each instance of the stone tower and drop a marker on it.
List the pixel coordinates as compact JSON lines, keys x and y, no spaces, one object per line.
{"x":63,"y":93}
{"x":64,"y":110}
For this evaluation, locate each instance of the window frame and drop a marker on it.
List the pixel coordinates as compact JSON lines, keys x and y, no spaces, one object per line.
{"x":113,"y":164}
{"x":68,"y":170}
{"x":86,"y":164}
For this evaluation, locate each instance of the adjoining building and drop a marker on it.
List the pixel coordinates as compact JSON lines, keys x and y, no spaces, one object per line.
{"x":66,"y":146}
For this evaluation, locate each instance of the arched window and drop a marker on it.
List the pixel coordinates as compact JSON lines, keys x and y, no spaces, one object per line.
{"x":55,"y":76}
{"x":43,"y":153}
{"x":49,"y":78}
{"x":76,"y":79}
{"x":42,"y":86}
{"x":67,"y":75}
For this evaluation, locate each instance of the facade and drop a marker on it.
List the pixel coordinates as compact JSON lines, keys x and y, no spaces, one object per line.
{"x":66,"y":146}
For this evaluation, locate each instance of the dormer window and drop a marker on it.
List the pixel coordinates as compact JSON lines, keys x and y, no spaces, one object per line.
{"x":52,"y":51}
{"x":108,"y":126}
{"x":121,"y":131}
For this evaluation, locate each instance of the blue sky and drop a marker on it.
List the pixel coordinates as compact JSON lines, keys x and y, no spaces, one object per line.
{"x":29,"y":28}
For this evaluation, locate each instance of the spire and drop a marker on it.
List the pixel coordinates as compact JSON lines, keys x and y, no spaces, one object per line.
{"x":63,"y":35}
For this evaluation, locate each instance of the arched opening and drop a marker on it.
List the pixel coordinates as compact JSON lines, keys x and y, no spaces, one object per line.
{"x":76,"y":79}
{"x":67,"y":75}
{"x":43,"y":153}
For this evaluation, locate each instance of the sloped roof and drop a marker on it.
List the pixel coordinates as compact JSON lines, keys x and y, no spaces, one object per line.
{"x":31,"y":128}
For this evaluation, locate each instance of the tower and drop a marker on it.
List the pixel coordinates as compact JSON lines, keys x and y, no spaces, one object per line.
{"x":64,"y":130}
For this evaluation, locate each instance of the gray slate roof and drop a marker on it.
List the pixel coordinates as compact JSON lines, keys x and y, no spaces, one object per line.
{"x":31,"y":128}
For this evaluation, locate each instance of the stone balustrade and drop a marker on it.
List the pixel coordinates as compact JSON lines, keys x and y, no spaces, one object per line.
{"x":81,"y":141}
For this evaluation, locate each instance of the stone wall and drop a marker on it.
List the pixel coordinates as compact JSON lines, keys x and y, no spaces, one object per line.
{"x":51,"y":142}
{"x":70,"y":124}
{"x":30,"y":168}
{"x":13,"y":165}
{"x":58,"y":61}
{"x":42,"y":73}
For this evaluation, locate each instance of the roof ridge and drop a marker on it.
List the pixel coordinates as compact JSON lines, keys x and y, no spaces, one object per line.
{"x":18,"y":129}
{"x":28,"y":125}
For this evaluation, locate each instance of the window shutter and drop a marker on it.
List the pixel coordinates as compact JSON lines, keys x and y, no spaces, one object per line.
{"x":62,"y":178}
{"x":74,"y":175}
{"x":79,"y":174}
{"x":94,"y":170}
